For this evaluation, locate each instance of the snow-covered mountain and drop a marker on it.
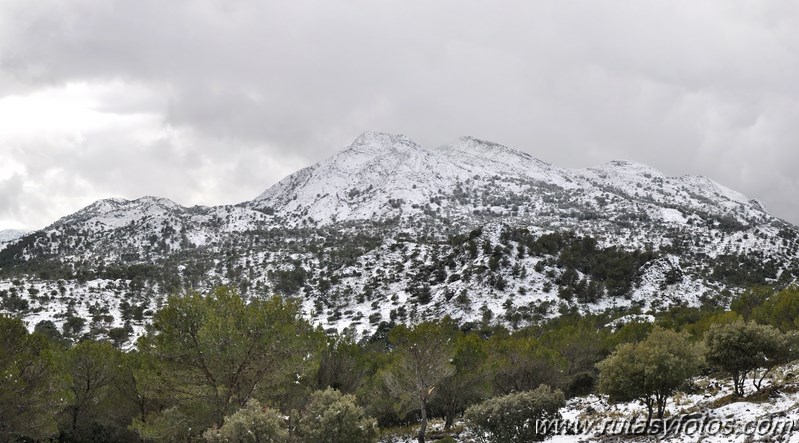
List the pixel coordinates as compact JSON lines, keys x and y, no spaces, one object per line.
{"x":9,"y":235}
{"x":382,"y":176}
{"x":387,"y":230}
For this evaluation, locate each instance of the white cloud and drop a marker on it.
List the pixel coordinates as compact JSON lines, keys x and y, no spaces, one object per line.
{"x":211,"y":101}
{"x":64,"y":147}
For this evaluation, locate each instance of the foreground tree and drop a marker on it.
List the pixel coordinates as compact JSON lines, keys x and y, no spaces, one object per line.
{"x":218,"y":351}
{"x":520,"y":363}
{"x":92,"y":367}
{"x":136,"y":382}
{"x":343,"y":365}
{"x":516,"y":418}
{"x":422,"y":361}
{"x":741,"y":349}
{"x":468,"y":383}
{"x":33,"y":389}
{"x":650,"y":371}
{"x":579,"y":343}
{"x":170,"y":425}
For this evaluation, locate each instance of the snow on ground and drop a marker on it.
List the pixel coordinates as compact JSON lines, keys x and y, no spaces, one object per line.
{"x":98,"y":302}
{"x":769,"y":416}
{"x":725,"y":418}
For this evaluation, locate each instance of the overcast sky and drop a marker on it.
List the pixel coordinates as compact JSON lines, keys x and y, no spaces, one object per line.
{"x":210,"y":102}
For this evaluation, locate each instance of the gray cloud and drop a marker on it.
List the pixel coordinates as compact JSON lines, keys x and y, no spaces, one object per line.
{"x":212,"y":101}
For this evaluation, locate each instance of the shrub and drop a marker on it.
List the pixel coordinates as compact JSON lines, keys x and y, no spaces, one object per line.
{"x":512,"y":418}
{"x":118,"y":336}
{"x":48,"y":329}
{"x":251,"y":424}
{"x":580,"y":384}
{"x":333,"y":417}
{"x":170,"y":425}
{"x":750,"y":300}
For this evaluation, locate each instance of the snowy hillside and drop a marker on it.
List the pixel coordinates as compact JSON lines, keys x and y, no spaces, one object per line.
{"x":390,"y":231}
{"x":9,"y":235}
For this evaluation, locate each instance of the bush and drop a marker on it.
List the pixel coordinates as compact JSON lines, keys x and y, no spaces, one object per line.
{"x":48,"y":329}
{"x":73,"y":325}
{"x":650,"y":371}
{"x":170,"y":425}
{"x":742,"y":348}
{"x":118,"y":336}
{"x":512,"y":418}
{"x":333,"y":417}
{"x":580,"y":384}
{"x":251,"y":424}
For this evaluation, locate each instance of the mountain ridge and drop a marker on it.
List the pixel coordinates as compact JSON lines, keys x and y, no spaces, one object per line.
{"x":448,"y":165}
{"x":387,"y":230}
{"x":365,"y":147}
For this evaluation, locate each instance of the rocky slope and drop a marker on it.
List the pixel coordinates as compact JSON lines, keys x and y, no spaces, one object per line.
{"x":387,"y":230}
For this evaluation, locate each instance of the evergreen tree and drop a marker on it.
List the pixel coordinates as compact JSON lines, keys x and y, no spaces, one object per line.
{"x":422,"y":361}
{"x":219,"y":352}
{"x":469,"y":381}
{"x":740,"y":349}
{"x":650,"y":371}
{"x":92,"y":367}
{"x":34,"y":386}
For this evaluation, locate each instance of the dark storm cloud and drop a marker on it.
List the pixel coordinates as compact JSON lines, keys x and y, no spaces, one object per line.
{"x":212,"y":101}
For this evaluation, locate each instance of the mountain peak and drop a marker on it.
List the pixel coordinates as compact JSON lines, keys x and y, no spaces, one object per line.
{"x":118,"y":208}
{"x":157,"y":201}
{"x":484,"y":147}
{"x":488,"y":150}
{"x":629,"y":167}
{"x":371,"y":141}
{"x":375,"y":150}
{"x":114,"y":203}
